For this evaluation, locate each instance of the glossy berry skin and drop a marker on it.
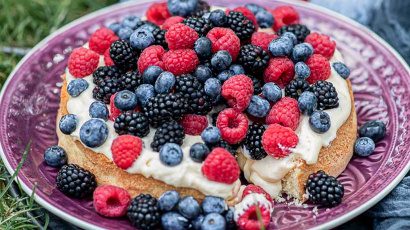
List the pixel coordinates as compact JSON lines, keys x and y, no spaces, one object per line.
{"x":376,"y":130}
{"x":55,"y":156}
{"x":302,"y":70}
{"x":237,"y":69}
{"x":115,"y":27}
{"x":168,"y":200}
{"x":272,"y":92}
{"x":68,"y":123}
{"x":75,"y":181}
{"x":151,"y":74}
{"x":170,"y":154}
{"x":144,"y":92}
{"x":203,"y":48}
{"x":281,"y":47}
{"x":124,"y":33}
{"x":203,"y":73}
{"x":213,"y":221}
{"x":301,"y":52}
{"x":324,"y":190}
{"x":189,"y":207}
{"x":144,"y":213}
{"x":182,"y":7}
{"x":76,"y":87}
{"x":221,"y":60}
{"x":258,"y":107}
{"x":111,"y":201}
{"x":225,"y":75}
{"x":319,"y":121}
{"x":211,"y":135}
{"x":198,"y":152}
{"x":212,"y":88}
{"x":364,"y":146}
{"x":341,"y":69}
{"x":213,"y":204}
{"x":165,"y":82}
{"x":94,"y":132}
{"x":264,"y":18}
{"x":174,"y":221}
{"x":307,"y":103}
{"x":132,"y":22}
{"x":141,"y":39}
{"x":125,"y":100}
{"x":196,"y":223}
{"x":98,"y":110}
{"x":218,"y":18}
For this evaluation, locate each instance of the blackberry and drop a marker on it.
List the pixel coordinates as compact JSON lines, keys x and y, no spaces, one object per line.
{"x":324,"y":189}
{"x":296,"y":87}
{"x":104,"y":72}
{"x":123,"y":55}
{"x":164,"y":107}
{"x":300,"y":31}
{"x":200,"y":25}
{"x":168,"y":132}
{"x":202,"y":8}
{"x":159,"y":36}
{"x":242,"y":26}
{"x":130,"y":122}
{"x":253,"y":142}
{"x":253,"y":58}
{"x":257,"y":85}
{"x":223,"y":144}
{"x":326,"y":95}
{"x":104,"y":90}
{"x":144,"y":213}
{"x":192,"y":90}
{"x":74,"y":181}
{"x":130,"y":80}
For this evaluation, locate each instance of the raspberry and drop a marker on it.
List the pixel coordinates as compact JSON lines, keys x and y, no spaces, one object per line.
{"x":172,"y":21}
{"x":224,"y":39}
{"x":280,"y":71}
{"x":247,"y":13}
{"x":157,"y":13}
{"x":101,"y":40}
{"x":82,"y":62}
{"x":111,"y":201}
{"x":251,"y":188}
{"x":284,"y":15}
{"x":321,"y":44}
{"x":262,"y":39}
{"x":285,"y":112}
{"x":107,"y":59}
{"x":238,"y":91}
{"x":114,"y":111}
{"x":277,"y":140}
{"x":181,"y":36}
{"x":249,"y":219}
{"x":151,"y":56}
{"x":233,"y":125}
{"x":319,"y":68}
{"x":180,"y":61}
{"x":194,"y":124}
{"x":221,"y":166}
{"x":125,"y":150}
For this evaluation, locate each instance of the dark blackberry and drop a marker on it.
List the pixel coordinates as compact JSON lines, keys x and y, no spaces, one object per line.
{"x":300,"y":31}
{"x":200,"y":25}
{"x":326,"y":95}
{"x":214,"y":117}
{"x":104,"y":90}
{"x":202,"y":8}
{"x":192,"y":90}
{"x":296,"y":87}
{"x":130,"y":80}
{"x":253,"y":58}
{"x":74,"y":181}
{"x":123,"y":55}
{"x":223,"y":144}
{"x":168,"y":132}
{"x":104,"y":72}
{"x":324,"y":189}
{"x":257,"y":86}
{"x":164,"y":107}
{"x":144,"y":213}
{"x":159,"y":36}
{"x":242,"y":26}
{"x":253,"y":141}
{"x":130,"y":122}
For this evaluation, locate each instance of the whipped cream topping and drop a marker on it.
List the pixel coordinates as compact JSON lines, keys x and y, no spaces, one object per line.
{"x":250,"y":200}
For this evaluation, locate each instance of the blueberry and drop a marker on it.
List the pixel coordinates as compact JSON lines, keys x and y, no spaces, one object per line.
{"x":125,"y":33}
{"x":125,"y":100}
{"x":258,"y":107}
{"x":203,"y":73}
{"x":229,"y":218}
{"x":221,"y":60}
{"x":198,"y":152}
{"x":98,"y":110}
{"x":94,"y":132}
{"x":76,"y":87}
{"x":55,"y":156}
{"x":307,"y":102}
{"x":196,"y":223}
{"x":203,"y":48}
{"x":290,"y":36}
{"x":376,"y":130}
{"x":301,"y":52}
{"x":189,"y":207}
{"x":151,"y":74}
{"x":264,"y":18}
{"x":225,"y":75}
{"x":144,"y":92}
{"x":212,"y":88}
{"x":213,"y":204}
{"x":237,"y":69}
{"x":164,"y":82}
{"x":213,"y":221}
{"x":364,"y":146}
{"x":272,"y":92}
{"x":148,"y":26}
{"x":218,"y":18}
{"x":174,"y":221}
{"x":280,"y":47}
{"x":170,"y":154}
{"x":211,"y":135}
{"x":319,"y":121}
{"x":168,"y":200}
{"x":131,"y":21}
{"x":141,"y":39}
{"x":341,"y":69}
{"x":68,"y":123}
{"x":302,"y":70}
{"x":182,"y":7}
{"x":115,"y":27}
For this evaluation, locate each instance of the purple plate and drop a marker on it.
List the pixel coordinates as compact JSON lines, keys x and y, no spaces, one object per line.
{"x":380,"y":77}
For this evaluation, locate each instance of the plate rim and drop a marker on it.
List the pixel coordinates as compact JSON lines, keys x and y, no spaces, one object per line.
{"x":83,"y":224}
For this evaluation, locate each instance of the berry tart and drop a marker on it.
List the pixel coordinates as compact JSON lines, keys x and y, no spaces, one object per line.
{"x":159,"y":117}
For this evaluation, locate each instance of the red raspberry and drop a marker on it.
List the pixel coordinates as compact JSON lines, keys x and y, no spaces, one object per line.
{"x":125,"y":150}
{"x":277,"y":140}
{"x":151,"y":56}
{"x":249,"y":219}
{"x":263,"y":39}
{"x":221,"y":166}
{"x":82,"y":62}
{"x":280,"y":70}
{"x":238,"y":91}
{"x":319,"y":68}
{"x":101,"y":40}
{"x":285,"y":112}
{"x":172,"y":21}
{"x":181,"y":36}
{"x":224,"y":39}
{"x":247,"y":13}
{"x":111,"y":201}
{"x":284,"y":15}
{"x":233,"y":125}
{"x":114,"y":111}
{"x":194,"y":124}
{"x":157,"y":13}
{"x":251,"y":188}
{"x":107,"y":58}
{"x":180,"y":61}
{"x":321,"y":44}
